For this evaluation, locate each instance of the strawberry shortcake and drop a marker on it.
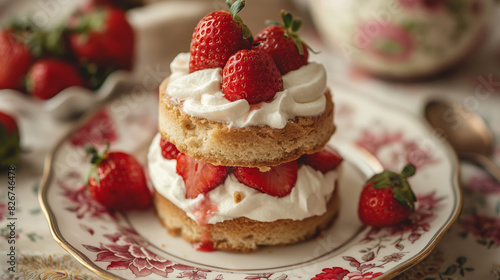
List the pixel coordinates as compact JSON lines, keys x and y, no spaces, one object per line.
{"x":240,"y":159}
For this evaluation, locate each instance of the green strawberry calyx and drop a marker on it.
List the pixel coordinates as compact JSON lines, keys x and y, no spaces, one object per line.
{"x":95,"y":160}
{"x":291,"y":27}
{"x":234,"y":9}
{"x":398,"y":183}
{"x":9,"y":147}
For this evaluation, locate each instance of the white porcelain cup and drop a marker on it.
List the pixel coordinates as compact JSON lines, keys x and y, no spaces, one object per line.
{"x":403,"y":38}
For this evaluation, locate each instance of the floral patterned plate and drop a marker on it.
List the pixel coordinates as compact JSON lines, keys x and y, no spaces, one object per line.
{"x":134,"y":244}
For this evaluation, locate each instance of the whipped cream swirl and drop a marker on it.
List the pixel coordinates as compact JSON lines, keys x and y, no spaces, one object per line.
{"x":201,"y":96}
{"x":308,"y":198}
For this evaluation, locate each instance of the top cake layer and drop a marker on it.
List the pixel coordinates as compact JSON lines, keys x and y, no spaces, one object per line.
{"x":195,"y":116}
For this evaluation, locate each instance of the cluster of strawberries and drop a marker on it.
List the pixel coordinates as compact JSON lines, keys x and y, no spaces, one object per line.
{"x":96,"y":40}
{"x":252,"y":68}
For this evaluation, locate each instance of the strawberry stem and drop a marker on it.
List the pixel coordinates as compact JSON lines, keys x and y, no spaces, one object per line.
{"x":291,"y":27}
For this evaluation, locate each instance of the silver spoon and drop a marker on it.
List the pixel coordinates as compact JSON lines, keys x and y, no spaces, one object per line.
{"x":466,"y":131}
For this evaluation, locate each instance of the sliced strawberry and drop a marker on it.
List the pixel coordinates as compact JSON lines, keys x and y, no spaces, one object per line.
{"x":324,"y":160}
{"x":199,"y":177}
{"x":217,"y":36}
{"x":168,"y":150}
{"x":278,"y":181}
{"x":251,"y":75}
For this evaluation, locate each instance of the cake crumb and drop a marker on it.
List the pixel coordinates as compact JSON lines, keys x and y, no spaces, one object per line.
{"x":264,"y":169}
{"x":238,"y":197}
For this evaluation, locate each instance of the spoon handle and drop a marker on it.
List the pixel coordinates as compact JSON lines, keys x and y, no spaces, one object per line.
{"x":487,"y":163}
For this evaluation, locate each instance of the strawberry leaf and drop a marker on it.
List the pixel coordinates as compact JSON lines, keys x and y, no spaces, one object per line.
{"x":296,"y":25}
{"x":398,"y":183}
{"x":409,"y":170}
{"x":287,"y":19}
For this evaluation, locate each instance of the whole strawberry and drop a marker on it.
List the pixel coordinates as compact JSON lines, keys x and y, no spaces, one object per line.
{"x":387,"y":198}
{"x":217,"y":36}
{"x":199,"y":177}
{"x":251,"y":75}
{"x":15,"y":57}
{"x":9,"y":141}
{"x":283,"y":44}
{"x":117,"y":181}
{"x":102,"y":37}
{"x":47,"y":77}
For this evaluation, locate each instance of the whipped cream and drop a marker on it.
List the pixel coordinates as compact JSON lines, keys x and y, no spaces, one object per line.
{"x":308,"y":198}
{"x":201,"y":96}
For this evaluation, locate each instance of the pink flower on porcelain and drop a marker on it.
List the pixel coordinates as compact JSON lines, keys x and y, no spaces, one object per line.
{"x":125,"y":254}
{"x":485,"y":229}
{"x":191,"y":273}
{"x":358,"y":276}
{"x":394,"y":257}
{"x":82,"y":203}
{"x":483,"y":185}
{"x":394,"y":150}
{"x":96,"y":131}
{"x":385,"y":40}
{"x":334,"y":273}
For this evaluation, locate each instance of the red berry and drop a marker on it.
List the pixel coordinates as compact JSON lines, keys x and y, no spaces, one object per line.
{"x":10,"y":141}
{"x":118,"y":182}
{"x":251,"y":75}
{"x":387,"y":198}
{"x":284,"y":45}
{"x":324,"y":160}
{"x":279,"y":181}
{"x":199,"y":177}
{"x":216,"y":37}
{"x":168,"y":150}
{"x":9,"y":124}
{"x":16,"y":59}
{"x":47,"y":77}
{"x":102,"y":36}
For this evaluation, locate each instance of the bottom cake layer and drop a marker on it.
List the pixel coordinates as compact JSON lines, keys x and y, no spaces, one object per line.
{"x":243,"y":234}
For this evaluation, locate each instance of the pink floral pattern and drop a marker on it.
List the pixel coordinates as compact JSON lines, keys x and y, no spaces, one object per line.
{"x":338,"y":273}
{"x":387,"y":41}
{"x":96,"y":131}
{"x":127,"y":251}
{"x":81,"y":203}
{"x":394,"y":150}
{"x":483,"y":185}
{"x":378,"y":238}
{"x":485,"y":229}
